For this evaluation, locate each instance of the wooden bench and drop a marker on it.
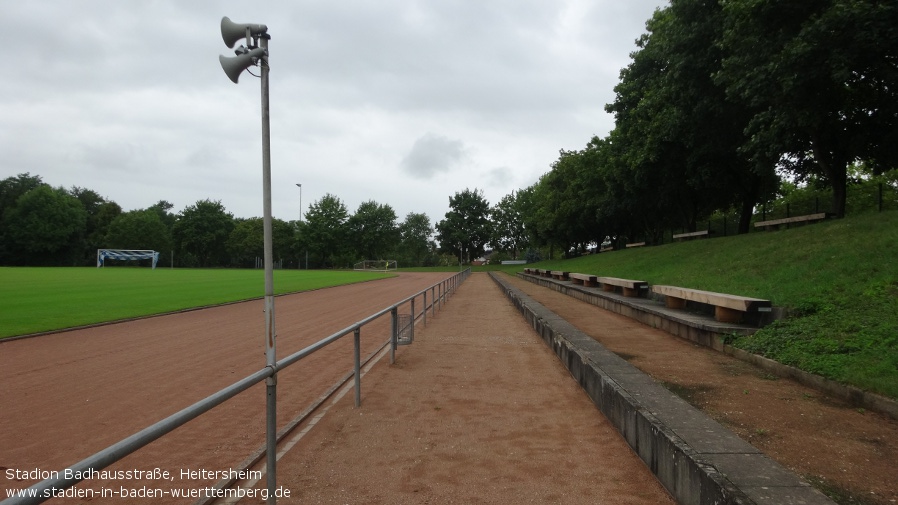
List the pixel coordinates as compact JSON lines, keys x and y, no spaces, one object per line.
{"x":630,"y":287}
{"x":589,"y":281}
{"x":727,"y":308}
{"x":774,"y":223}
{"x":558,"y":274}
{"x":529,"y":271}
{"x":544,"y":273}
{"x":635,"y":244}
{"x":694,"y":234}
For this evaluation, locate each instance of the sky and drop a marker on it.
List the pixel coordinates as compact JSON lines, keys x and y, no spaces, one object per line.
{"x":400,"y":102}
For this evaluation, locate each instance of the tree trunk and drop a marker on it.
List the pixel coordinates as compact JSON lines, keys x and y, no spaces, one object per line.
{"x":836,"y":170}
{"x":748,"y":206}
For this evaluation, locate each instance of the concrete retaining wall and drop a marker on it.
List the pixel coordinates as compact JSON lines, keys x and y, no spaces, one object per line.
{"x":695,"y":458}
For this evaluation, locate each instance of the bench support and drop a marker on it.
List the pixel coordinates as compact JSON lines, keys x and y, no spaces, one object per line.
{"x":727,"y":315}
{"x":672,"y":302}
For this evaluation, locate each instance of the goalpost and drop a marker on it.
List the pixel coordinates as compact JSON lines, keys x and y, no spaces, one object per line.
{"x":126,"y":254}
{"x":376,"y":265}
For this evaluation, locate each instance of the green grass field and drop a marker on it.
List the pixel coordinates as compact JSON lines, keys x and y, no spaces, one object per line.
{"x":34,"y":300}
{"x":839,"y":279}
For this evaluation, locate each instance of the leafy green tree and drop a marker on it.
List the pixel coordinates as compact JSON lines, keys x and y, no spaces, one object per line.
{"x":45,"y":227}
{"x":822,"y":77}
{"x":11,"y":189}
{"x":569,"y":197}
{"x":163,"y":209}
{"x":201,"y":232}
{"x":100,"y":214}
{"x":466,"y":228}
{"x":325,"y":231}
{"x":414,"y":239}
{"x":677,"y":136}
{"x":373,"y":231}
{"x":508,"y":225}
{"x":139,"y":229}
{"x":247,"y":240}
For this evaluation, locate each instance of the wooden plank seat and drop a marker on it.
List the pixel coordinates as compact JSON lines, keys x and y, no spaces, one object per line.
{"x":589,"y":281}
{"x":529,"y":271}
{"x":543,"y":272}
{"x":727,"y":308}
{"x":774,"y":223}
{"x":694,"y":234}
{"x":635,"y":244}
{"x":630,"y":287}
{"x":560,"y":275}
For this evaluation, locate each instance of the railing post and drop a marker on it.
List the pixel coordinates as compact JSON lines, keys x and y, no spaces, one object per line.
{"x":394,"y":337}
{"x":411,"y":330}
{"x":357,"y":336}
{"x":424,"y":312}
{"x":433,"y":301}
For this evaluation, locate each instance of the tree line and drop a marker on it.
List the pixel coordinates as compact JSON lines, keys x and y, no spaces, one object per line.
{"x":727,"y":106}
{"x":41,"y":225}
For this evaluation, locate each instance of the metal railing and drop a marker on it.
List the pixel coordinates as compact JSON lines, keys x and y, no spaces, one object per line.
{"x":44,"y":490}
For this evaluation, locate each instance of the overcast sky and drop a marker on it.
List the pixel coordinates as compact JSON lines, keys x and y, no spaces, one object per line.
{"x":397,"y":101}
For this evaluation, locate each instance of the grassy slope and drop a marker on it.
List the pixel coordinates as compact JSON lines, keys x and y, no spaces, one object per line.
{"x":839,"y":278}
{"x":41,"y":299}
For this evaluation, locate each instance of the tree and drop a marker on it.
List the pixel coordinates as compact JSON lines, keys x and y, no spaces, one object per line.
{"x":466,"y":227}
{"x":247,"y":240}
{"x":11,"y":189}
{"x":44,"y":227}
{"x":100,"y":214}
{"x":822,"y":77}
{"x":508,"y":225}
{"x":414,"y":238}
{"x":325,"y":232}
{"x":138,"y":229}
{"x":162,"y":208}
{"x":677,"y":136}
{"x":373,"y":230}
{"x":569,"y":198}
{"x":201,"y":233}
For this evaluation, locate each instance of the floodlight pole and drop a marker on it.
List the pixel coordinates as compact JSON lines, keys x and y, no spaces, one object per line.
{"x":270,"y":334}
{"x":300,"y":201}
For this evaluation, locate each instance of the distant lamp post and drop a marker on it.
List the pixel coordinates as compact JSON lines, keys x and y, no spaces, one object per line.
{"x":256,"y":54}
{"x":300,"y":201}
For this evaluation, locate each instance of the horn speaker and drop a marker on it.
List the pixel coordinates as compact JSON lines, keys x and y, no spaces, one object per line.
{"x":231,"y":32}
{"x":235,"y":66}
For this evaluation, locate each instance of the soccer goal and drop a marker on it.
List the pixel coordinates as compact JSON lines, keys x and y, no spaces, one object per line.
{"x":376,"y":265}
{"x":126,"y":254}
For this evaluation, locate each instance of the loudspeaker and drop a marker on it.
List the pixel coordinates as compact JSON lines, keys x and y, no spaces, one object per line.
{"x":231,"y":32}
{"x":235,"y":66}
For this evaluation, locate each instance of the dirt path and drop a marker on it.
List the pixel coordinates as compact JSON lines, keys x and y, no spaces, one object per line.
{"x":66,"y":396}
{"x":837,"y":447}
{"x":476,"y":410}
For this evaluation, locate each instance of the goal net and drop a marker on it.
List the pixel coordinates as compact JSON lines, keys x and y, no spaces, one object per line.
{"x":377,"y":265}
{"x":126,"y":254}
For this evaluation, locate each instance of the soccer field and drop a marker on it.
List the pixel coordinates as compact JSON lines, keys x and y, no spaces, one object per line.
{"x":34,"y":300}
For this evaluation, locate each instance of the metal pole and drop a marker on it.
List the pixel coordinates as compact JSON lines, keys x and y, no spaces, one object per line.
{"x":411,"y":330}
{"x":424,"y":313}
{"x":394,"y":327}
{"x":270,"y":334}
{"x":358,"y":366}
{"x":300,"y":201}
